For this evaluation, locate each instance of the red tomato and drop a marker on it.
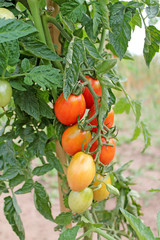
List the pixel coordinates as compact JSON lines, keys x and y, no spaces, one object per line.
{"x":81,"y":171}
{"x":73,"y":138}
{"x":67,"y":111}
{"x":107,"y":152}
{"x":109,"y":120}
{"x":87,"y":94}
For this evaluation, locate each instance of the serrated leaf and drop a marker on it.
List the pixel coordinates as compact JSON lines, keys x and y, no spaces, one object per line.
{"x":42,"y":202}
{"x":134,"y":4}
{"x":73,"y":10}
{"x":3,"y":3}
{"x":152,"y":10}
{"x":121,"y":106}
{"x":138,"y":107}
{"x":16,"y":180}
{"x":147,"y":136}
{"x":105,"y":13}
{"x":51,"y":158}
{"x":121,"y":29}
{"x":136,"y":133}
{"x":158,"y":223}
{"x":3,"y":187}
{"x":39,"y":49}
{"x":8,"y":153}
{"x":28,"y":102}
{"x":13,"y":218}
{"x":97,"y":14}
{"x":151,"y":45}
{"x":12,"y":30}
{"x":18,"y":84}
{"x":44,"y":108}
{"x":91,"y":49}
{"x":136,"y":21}
{"x":106,"y":65}
{"x":69,"y":234}
{"x":142,"y":231}
{"x":37,"y":147}
{"x":25,"y":64}
{"x":74,"y":58}
{"x":10,"y":173}
{"x":26,"y":188}
{"x":63,"y":218}
{"x":41,"y":170}
{"x":45,"y":76}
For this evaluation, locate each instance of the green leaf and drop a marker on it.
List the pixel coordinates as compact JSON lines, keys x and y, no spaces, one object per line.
{"x":28,"y":102}
{"x":152,"y":10}
{"x":13,"y":218}
{"x":158,"y":223}
{"x":25,"y":65}
{"x":136,"y":21}
{"x":121,"y":106}
{"x":147,"y":136}
{"x":26,"y":188}
{"x":151,"y":45}
{"x":8,"y":153}
{"x":106,"y":65}
{"x":73,"y":10}
{"x":37,"y":147}
{"x":63,"y":218}
{"x":69,"y":234}
{"x":3,"y":187}
{"x":121,"y":29}
{"x":136,"y":133}
{"x":74,"y":58}
{"x":138,"y":107}
{"x":3,"y":3}
{"x":51,"y":158}
{"x":12,"y":30}
{"x":10,"y":173}
{"x":39,"y":49}
{"x":41,"y":170}
{"x":44,"y":108}
{"x":45,"y":76}
{"x":134,"y":4}
{"x":91,"y":49}
{"x":143,"y":232}
{"x":97,"y":14}
{"x":16,"y":180}
{"x":105,"y":13}
{"x":112,"y":189}
{"x":42,"y":202}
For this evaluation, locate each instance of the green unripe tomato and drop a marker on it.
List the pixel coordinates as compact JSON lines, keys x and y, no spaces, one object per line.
{"x":5,"y":93}
{"x":5,"y":13}
{"x":79,"y":202}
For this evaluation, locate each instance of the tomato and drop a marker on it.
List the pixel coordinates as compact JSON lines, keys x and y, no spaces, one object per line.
{"x":109,"y":120}
{"x":80,"y":201}
{"x":87,"y":94}
{"x":107,"y":152}
{"x":102,"y":192}
{"x":67,"y":111}
{"x":73,"y":138}
{"x":5,"y":13}
{"x":81,"y":171}
{"x":5,"y":93}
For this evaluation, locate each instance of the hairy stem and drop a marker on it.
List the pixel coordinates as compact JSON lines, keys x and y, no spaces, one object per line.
{"x":102,"y":42}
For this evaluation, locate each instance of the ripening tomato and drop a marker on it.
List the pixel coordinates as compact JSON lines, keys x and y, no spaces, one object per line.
{"x":5,"y":93}
{"x":102,"y":192}
{"x":67,"y":111}
{"x":73,"y":138}
{"x":81,"y":171}
{"x":109,"y":120}
{"x":80,"y":201}
{"x":87,"y":94}
{"x":5,"y":13}
{"x":107,"y":152}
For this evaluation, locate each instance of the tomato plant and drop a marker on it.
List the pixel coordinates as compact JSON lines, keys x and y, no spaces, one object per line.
{"x":81,"y":171}
{"x":101,"y":192}
{"x":68,"y":111}
{"x":80,"y":201}
{"x":5,"y":93}
{"x":74,"y":138}
{"x":87,"y":94}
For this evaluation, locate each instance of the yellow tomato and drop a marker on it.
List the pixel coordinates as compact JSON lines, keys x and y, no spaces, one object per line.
{"x":102,"y":192}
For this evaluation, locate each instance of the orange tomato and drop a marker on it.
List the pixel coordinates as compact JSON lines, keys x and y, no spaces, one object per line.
{"x":73,"y":138}
{"x":102,"y":192}
{"x":81,"y":171}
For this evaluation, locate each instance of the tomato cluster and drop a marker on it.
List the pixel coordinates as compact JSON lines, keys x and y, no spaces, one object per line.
{"x":81,"y":172}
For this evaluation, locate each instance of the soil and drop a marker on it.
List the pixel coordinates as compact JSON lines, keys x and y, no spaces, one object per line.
{"x":145,"y":168}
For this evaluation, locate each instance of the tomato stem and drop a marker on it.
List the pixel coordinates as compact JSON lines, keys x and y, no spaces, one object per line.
{"x":102,"y":42}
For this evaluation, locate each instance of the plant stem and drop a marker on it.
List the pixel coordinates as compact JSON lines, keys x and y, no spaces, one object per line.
{"x":85,"y":234}
{"x":102,"y":42}
{"x":34,"y":7}
{"x":63,"y":32}
{"x":103,"y":234}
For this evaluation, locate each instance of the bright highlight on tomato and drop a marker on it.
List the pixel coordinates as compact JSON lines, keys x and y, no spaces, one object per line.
{"x":79,"y":202}
{"x":67,"y":111}
{"x":102,"y":192}
{"x":73,"y":138}
{"x":5,"y":93}
{"x":109,"y":120}
{"x":87,"y":94}
{"x":5,"y":13}
{"x":107,"y":152}
{"x":81,"y":171}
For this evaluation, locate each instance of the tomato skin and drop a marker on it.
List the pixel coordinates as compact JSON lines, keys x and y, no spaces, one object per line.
{"x":109,"y":120}
{"x":5,"y":13}
{"x":107,"y":152}
{"x":73,"y":138}
{"x":80,"y":201}
{"x":102,"y":192}
{"x":81,"y":171}
{"x":5,"y":93}
{"x":87,"y":94}
{"x":67,"y":111}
